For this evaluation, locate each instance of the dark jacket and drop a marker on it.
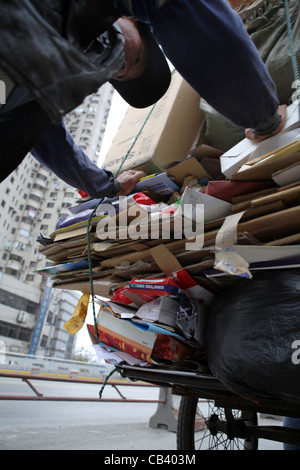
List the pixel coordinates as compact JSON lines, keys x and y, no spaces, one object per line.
{"x":46,"y":48}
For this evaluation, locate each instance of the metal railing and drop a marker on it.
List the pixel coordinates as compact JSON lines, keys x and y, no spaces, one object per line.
{"x":31,"y":369}
{"x":163,"y":417}
{"x":116,"y":385}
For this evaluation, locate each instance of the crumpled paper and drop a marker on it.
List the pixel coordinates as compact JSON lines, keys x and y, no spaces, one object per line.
{"x":79,"y":316}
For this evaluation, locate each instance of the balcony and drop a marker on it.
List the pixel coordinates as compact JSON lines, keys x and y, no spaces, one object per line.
{"x":15,"y":262}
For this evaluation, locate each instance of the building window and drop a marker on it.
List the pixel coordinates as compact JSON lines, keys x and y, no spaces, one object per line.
{"x":24,"y":233}
{"x":38,"y":186}
{"x":30,"y":208}
{"x":20,"y":246}
{"x":51,"y":318}
{"x":44,"y":340}
{"x":19,"y":303}
{"x":34,"y":197}
{"x":15,"y":332}
{"x":14,"y":257}
{"x":12,"y":272}
{"x":42,"y":177}
{"x":27,"y":220}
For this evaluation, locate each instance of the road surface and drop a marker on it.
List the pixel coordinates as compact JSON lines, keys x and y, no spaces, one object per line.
{"x":36,"y":425}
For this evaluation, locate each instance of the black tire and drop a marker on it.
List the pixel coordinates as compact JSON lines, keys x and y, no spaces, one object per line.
{"x":197,"y":431}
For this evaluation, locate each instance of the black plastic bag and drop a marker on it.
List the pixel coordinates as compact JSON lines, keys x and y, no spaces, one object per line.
{"x":253,"y":335}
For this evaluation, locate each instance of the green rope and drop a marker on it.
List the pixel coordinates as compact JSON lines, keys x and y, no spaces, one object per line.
{"x":106,"y":380}
{"x":94,"y":212}
{"x":88,"y":235}
{"x":292,"y":49}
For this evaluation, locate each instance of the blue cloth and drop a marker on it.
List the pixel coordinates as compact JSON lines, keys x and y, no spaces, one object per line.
{"x":144,"y":11}
{"x":18,"y":97}
{"x":57,"y":151}
{"x":293,"y":423}
{"x":207,"y":43}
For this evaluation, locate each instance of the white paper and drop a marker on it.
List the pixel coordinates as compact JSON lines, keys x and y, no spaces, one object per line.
{"x":162,"y":309}
{"x":246,"y":150}
{"x":287,"y":176}
{"x":276,"y":142}
{"x":203,"y":205}
{"x":227,"y":259}
{"x":116,"y":357}
{"x":260,"y":253}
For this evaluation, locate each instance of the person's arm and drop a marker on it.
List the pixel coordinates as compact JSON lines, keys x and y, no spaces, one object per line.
{"x":207,"y":43}
{"x":57,"y":151}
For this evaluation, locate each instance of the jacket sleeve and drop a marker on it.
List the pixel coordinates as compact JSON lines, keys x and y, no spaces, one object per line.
{"x":57,"y":151}
{"x":208,"y":45}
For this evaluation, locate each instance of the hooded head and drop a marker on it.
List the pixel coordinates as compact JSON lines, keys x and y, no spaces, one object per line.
{"x":154,"y":78}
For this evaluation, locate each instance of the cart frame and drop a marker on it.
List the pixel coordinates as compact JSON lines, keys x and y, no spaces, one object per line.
{"x":206,"y":386}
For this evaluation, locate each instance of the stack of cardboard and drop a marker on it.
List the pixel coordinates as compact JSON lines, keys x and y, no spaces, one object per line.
{"x":244,"y":215}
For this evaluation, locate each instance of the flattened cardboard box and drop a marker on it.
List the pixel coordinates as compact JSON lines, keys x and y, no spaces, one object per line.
{"x":168,"y":134}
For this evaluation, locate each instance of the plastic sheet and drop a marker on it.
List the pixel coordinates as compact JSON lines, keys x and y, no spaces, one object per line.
{"x":253,"y":335}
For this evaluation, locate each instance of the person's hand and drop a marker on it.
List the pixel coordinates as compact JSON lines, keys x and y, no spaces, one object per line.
{"x":128,"y":181}
{"x":259,"y":138}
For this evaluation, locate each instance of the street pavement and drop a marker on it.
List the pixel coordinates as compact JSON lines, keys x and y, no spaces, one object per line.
{"x":101,"y":425}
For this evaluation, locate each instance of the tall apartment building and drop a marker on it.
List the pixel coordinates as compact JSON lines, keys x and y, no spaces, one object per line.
{"x":32,"y":199}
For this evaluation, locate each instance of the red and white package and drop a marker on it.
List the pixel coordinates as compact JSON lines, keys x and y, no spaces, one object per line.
{"x":192,"y":288}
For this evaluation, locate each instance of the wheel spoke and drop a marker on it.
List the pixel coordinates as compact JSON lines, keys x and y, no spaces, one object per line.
{"x":209,"y":427}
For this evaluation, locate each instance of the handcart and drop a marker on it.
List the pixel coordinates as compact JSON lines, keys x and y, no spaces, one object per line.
{"x":211,"y":417}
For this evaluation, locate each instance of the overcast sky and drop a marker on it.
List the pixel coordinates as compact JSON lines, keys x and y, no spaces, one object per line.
{"x":115,"y":117}
{"x":116,"y":114}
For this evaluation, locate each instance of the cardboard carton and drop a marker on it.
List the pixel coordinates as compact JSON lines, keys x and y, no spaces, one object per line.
{"x":246,"y":150}
{"x":162,"y":133}
{"x":260,"y":171}
{"x":252,"y":222}
{"x":140,"y":340}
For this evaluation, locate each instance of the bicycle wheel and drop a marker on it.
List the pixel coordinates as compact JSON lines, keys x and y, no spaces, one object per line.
{"x":202,"y":426}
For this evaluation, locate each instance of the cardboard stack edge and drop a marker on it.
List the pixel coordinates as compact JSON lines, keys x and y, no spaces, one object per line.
{"x":250,"y":197}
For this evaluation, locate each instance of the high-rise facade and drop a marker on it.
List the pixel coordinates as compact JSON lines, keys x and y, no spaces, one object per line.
{"x":32,"y":199}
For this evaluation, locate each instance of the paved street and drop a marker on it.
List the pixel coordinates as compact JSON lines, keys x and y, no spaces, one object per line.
{"x":32,"y":425}
{"x":79,"y":425}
